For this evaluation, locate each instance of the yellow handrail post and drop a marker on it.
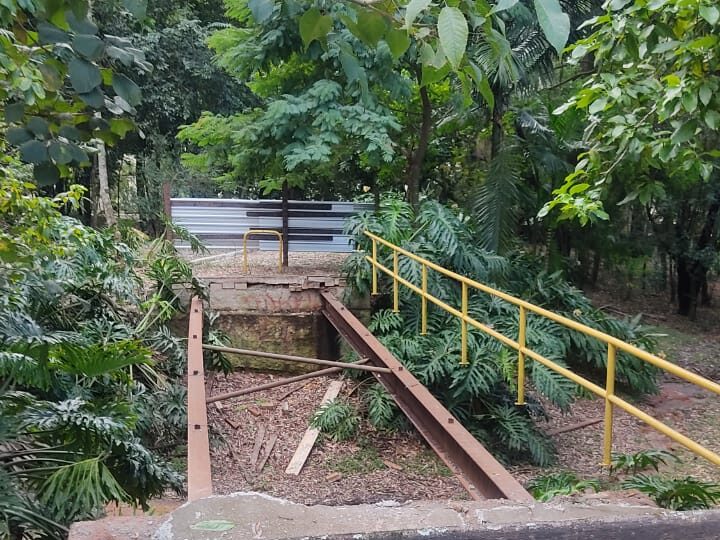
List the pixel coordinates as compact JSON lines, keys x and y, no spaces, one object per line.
{"x":521,"y":357}
{"x":374,"y":267}
{"x":609,"y":392}
{"x":463,"y":326}
{"x":396,"y":287}
{"x":423,"y":324}
{"x":262,"y":231}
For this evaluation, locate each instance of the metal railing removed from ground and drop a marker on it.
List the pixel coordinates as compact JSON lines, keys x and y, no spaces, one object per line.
{"x":518,"y":343}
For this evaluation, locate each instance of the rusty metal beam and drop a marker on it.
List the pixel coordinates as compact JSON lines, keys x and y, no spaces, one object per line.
{"x":275,"y":384}
{"x":301,"y":359}
{"x":198,"y":466}
{"x":478,"y":471}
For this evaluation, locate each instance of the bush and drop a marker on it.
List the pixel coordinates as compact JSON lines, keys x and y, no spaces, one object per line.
{"x":482,"y":394}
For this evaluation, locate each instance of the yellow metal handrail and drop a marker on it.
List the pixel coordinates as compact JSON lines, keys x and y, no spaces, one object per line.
{"x":262,"y":231}
{"x":613,"y":344}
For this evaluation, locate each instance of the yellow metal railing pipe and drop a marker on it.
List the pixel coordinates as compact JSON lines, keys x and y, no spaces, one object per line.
{"x":609,"y":392}
{"x":262,"y":231}
{"x":423,"y":302}
{"x":522,"y":320}
{"x":374,"y":268}
{"x":569,"y":323}
{"x":614,"y":345}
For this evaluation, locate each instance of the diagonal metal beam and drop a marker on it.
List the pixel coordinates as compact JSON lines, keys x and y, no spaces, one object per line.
{"x":479,"y":472}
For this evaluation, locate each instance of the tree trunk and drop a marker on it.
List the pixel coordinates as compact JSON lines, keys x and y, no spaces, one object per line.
{"x":104,"y":206}
{"x":597,"y":259}
{"x":285,"y":223}
{"x":498,"y":132}
{"x":418,"y":156}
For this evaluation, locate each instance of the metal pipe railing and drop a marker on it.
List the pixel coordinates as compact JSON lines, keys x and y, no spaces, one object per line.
{"x":613,"y":344}
{"x":262,"y":231}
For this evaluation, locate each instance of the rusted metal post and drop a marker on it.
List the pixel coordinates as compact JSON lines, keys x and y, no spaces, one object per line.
{"x":521,"y":357}
{"x":301,"y":359}
{"x":198,"y":467}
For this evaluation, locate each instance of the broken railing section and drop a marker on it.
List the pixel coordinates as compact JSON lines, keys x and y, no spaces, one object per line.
{"x":198,"y":467}
{"x":478,"y":471}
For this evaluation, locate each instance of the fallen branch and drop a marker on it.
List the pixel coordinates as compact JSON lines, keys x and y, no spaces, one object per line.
{"x":574,"y":427}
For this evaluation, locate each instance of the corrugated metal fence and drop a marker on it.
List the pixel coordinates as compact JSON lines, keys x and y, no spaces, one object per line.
{"x":221,"y":223}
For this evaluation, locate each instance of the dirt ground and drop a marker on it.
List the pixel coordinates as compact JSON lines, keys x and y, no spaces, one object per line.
{"x":688,"y":409}
{"x":265,"y":263}
{"x":374,"y":467}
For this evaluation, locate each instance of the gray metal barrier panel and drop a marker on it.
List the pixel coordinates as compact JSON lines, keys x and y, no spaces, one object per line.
{"x":221,"y":223}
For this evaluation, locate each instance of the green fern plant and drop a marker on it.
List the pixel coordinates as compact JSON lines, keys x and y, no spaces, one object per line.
{"x":640,"y":461}
{"x":549,"y":486}
{"x":679,"y":494}
{"x":337,"y":420}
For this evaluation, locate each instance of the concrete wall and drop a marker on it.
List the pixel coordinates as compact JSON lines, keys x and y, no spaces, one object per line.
{"x":277,"y":314}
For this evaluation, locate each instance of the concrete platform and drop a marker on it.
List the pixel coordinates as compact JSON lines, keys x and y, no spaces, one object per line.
{"x":254,"y":516}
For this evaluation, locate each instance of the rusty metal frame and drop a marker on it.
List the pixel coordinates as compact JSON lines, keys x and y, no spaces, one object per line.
{"x":199,"y":476}
{"x":478,"y":471}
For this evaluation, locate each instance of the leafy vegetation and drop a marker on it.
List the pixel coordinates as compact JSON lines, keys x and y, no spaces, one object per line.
{"x":87,"y":362}
{"x":482,"y":394}
{"x":337,"y":419}
{"x":679,"y":494}
{"x":640,"y":461}
{"x":549,"y":486}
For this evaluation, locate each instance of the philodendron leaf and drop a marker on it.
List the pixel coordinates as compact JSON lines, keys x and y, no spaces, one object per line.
{"x":314,"y":25}
{"x":48,"y":33}
{"x":453,"y":33}
{"x":213,"y":525}
{"x":46,"y":174}
{"x":84,"y":76}
{"x":126,"y":89}
{"x":554,"y":22}
{"x":14,"y":112}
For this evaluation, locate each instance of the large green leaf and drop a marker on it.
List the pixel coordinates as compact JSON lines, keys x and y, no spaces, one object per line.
{"x":81,"y":25}
{"x":14,"y":112}
{"x":94,"y":98}
{"x":48,"y":33}
{"x":39,"y":126}
{"x":398,"y":41}
{"x":60,"y":152}
{"x":261,"y":9}
{"x":453,"y":33}
{"x":554,"y":22}
{"x":710,"y":13}
{"x":370,"y":27}
{"x":46,"y":174}
{"x":34,"y":152}
{"x":314,"y":25}
{"x":137,"y":7}
{"x":84,"y":76}
{"x":91,"y":47}
{"x":503,"y":5}
{"x":413,"y":9}
{"x":126,"y":89}
{"x":18,"y":135}
{"x":684,"y":132}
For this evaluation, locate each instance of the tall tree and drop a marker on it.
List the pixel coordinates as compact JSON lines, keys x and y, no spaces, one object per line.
{"x":654,"y":115}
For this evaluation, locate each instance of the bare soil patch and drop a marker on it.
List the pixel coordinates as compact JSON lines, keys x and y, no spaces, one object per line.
{"x":265,"y":263}
{"x":376,"y":466}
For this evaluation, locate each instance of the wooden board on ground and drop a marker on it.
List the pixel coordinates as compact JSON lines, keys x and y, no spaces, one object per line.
{"x":308,"y":441}
{"x":268,"y":450}
{"x":258,"y":443}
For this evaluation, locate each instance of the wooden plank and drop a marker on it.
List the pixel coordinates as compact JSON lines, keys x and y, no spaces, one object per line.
{"x":198,"y":469}
{"x":258,"y":443}
{"x":308,"y":441}
{"x":268,"y":450}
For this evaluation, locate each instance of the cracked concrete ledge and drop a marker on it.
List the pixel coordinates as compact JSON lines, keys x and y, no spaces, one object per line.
{"x":255,"y":516}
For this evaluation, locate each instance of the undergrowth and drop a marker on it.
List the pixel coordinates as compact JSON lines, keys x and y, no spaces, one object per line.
{"x":483,"y":394}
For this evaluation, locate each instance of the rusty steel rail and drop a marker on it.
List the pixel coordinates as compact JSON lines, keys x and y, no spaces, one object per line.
{"x":198,"y":463}
{"x":300,"y":359}
{"x":478,"y":471}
